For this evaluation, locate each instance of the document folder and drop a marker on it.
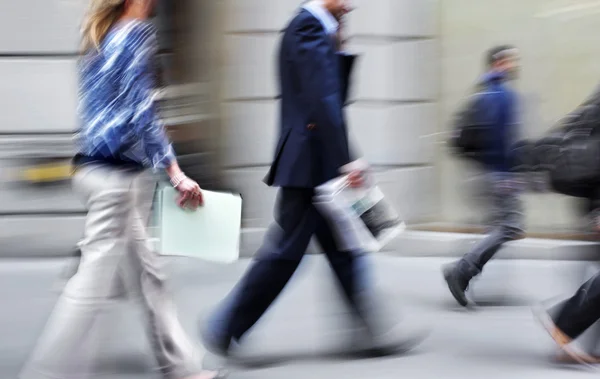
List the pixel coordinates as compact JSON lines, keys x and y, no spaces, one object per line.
{"x":212,"y":232}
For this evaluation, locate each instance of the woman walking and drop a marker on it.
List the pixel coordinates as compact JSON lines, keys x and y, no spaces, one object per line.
{"x":120,"y":140}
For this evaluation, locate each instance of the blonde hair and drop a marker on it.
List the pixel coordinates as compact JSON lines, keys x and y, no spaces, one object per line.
{"x":101,"y":16}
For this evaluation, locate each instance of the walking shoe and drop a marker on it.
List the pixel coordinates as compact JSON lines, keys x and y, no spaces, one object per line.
{"x":215,"y":342}
{"x":564,"y":342}
{"x":456,"y":284}
{"x":221,"y":374}
{"x":397,"y":341}
{"x":564,"y":358}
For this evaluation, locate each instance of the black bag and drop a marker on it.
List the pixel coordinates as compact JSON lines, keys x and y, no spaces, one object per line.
{"x":576,"y":170}
{"x":523,"y":156}
{"x":571,"y":154}
{"x":470,"y":130}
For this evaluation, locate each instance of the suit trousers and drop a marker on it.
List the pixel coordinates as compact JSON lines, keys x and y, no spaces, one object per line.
{"x":578,"y":313}
{"x":115,"y":251}
{"x":296,"y":221}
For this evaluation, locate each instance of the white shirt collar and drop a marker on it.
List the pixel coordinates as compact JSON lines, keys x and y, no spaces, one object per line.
{"x":317,"y":9}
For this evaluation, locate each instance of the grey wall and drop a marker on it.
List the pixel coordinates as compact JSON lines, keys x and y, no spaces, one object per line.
{"x":560,"y":58}
{"x":38,"y":91}
{"x":38,"y":43}
{"x":419,"y":58}
{"x":393,"y":117}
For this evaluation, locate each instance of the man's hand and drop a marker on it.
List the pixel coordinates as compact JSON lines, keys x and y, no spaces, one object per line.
{"x":340,"y":36}
{"x":356,"y":179}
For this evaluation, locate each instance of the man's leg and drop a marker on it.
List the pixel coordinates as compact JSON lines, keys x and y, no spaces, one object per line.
{"x":568,"y":320}
{"x":350,"y":269}
{"x":352,"y":272}
{"x":275,"y":263}
{"x":590,"y":339}
{"x":581,"y":311}
{"x":507,"y":216}
{"x":473,"y":262}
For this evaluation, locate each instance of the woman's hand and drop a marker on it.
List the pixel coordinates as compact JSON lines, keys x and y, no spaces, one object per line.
{"x":190,"y":194}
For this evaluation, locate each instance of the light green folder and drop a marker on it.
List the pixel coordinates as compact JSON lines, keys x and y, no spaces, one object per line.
{"x":211,"y":232}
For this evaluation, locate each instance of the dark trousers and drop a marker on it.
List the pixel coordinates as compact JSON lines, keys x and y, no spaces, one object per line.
{"x":506,"y":217}
{"x":578,"y":313}
{"x":296,"y":221}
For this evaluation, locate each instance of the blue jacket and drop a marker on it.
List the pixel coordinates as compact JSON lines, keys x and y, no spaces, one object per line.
{"x":313,"y":77}
{"x":499,"y":108}
{"x":116,"y":105}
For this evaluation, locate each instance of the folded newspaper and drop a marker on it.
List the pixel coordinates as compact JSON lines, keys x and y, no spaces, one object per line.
{"x":361,"y":219}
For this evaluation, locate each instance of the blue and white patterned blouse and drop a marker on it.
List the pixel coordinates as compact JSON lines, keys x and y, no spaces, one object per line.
{"x":117,"y":108}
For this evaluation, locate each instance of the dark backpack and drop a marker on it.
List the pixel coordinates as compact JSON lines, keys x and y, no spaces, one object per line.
{"x":570,"y":154}
{"x":575,"y":169}
{"x":470,"y":130}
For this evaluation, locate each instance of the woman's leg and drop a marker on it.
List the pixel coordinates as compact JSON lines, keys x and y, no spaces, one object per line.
{"x":64,"y":350}
{"x":177,"y":356}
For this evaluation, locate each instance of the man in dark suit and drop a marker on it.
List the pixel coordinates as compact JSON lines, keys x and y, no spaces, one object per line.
{"x":312,"y":147}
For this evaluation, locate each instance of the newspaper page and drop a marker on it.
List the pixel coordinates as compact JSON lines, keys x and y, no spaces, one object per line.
{"x":361,"y":218}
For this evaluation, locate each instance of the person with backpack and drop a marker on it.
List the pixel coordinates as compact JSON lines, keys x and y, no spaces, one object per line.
{"x":575,"y":171}
{"x":569,"y":320}
{"x":485,"y":131}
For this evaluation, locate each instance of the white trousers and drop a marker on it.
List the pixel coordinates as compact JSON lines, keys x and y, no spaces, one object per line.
{"x":115,"y":252}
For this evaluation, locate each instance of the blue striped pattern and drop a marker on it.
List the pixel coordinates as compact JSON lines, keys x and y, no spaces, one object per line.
{"x":117,"y":90}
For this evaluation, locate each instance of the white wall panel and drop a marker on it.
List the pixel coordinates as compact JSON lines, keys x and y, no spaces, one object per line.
{"x":412,"y":191}
{"x":396,"y":134}
{"x":40,"y":26}
{"x":401,"y":70}
{"x":259,"y":15}
{"x":258,"y":199}
{"x":250,"y":69}
{"x":251,"y":130}
{"x":38,"y":95}
{"x":415,"y":74}
{"x":373,"y":70}
{"x":394,"y":18}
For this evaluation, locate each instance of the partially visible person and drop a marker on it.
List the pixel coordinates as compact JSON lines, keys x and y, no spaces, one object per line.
{"x":570,"y":319}
{"x":120,"y":141}
{"x":495,"y":117}
{"x":313,"y":146}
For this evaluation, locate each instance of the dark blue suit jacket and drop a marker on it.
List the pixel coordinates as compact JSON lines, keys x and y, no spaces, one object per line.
{"x":314,"y":77}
